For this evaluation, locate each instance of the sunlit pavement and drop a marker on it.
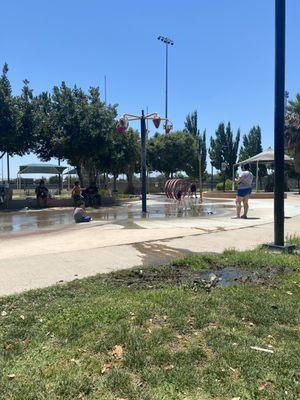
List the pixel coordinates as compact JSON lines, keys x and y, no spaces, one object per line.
{"x":33,"y":256}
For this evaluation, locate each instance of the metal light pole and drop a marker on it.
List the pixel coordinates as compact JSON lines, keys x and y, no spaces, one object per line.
{"x":200,"y":167}
{"x":212,"y":176}
{"x":123,"y":125}
{"x":279,"y":114}
{"x":279,"y":122}
{"x":143,"y":162}
{"x":8,"y":171}
{"x":167,"y":42}
{"x":59,"y":178}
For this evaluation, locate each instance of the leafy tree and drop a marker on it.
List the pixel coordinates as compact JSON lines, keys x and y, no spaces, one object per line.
{"x":170,"y":153}
{"x":191,"y":123}
{"x":191,"y":126}
{"x":124,"y":156}
{"x":224,"y":148}
{"x":16,"y":118}
{"x":192,"y":165}
{"x":251,"y":147}
{"x":292,"y":129}
{"x":75,"y":126}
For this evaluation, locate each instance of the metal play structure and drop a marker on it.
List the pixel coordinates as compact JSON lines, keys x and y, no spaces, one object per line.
{"x":176,"y":188}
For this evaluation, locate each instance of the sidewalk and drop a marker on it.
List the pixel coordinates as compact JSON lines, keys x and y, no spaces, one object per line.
{"x":40,"y":260}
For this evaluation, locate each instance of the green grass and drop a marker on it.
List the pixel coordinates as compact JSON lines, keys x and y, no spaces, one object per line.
{"x":178,"y":341}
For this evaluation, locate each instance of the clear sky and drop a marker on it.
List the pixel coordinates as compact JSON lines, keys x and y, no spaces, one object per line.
{"x":222,"y":63}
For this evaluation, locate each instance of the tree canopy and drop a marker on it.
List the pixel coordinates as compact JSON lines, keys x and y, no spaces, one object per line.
{"x":16,"y":118}
{"x":199,"y":145}
{"x":251,"y":147}
{"x":292,"y":129}
{"x":170,"y":153}
{"x":224,"y":148}
{"x":75,"y":126}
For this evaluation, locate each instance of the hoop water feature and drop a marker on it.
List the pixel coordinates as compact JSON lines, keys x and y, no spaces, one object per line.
{"x":176,"y":188}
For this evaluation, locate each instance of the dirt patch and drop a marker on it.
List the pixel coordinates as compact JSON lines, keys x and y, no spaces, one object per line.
{"x":218,"y":276}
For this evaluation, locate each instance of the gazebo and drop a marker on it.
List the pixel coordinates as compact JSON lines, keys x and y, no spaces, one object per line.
{"x":264,"y":157}
{"x":39,"y":169}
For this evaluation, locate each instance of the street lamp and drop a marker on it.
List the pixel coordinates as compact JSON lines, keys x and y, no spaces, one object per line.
{"x":167,"y":42}
{"x":121,"y":128}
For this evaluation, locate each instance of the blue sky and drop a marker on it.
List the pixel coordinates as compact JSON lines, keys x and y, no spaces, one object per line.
{"x":222,"y":63}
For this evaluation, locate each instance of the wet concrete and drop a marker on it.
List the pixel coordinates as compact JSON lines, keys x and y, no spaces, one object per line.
{"x":156,"y":254}
{"x":29,"y":221}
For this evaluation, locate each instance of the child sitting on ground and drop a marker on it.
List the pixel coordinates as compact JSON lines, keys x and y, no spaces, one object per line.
{"x":80,"y":215}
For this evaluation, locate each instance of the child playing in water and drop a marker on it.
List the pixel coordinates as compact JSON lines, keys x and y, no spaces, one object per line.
{"x":80,"y":215}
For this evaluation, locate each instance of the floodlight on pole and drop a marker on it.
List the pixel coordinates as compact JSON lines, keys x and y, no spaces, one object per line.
{"x":167,"y":41}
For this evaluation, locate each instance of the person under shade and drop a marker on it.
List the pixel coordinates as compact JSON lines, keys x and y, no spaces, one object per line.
{"x":76,"y":193}
{"x":41,"y":194}
{"x":80,"y":214}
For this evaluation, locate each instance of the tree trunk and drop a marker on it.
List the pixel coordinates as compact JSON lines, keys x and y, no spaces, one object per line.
{"x":80,"y":175}
{"x":130,"y":186}
{"x":115,"y":182}
{"x":90,"y":169}
{"x":297,"y":156}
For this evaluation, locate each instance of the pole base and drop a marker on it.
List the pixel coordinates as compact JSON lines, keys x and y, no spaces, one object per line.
{"x":286,"y":248}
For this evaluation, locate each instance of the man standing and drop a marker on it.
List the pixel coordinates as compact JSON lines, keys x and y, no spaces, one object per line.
{"x":244,"y":190}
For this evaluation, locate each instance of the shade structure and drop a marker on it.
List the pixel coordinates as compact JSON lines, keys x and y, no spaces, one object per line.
{"x":41,"y":169}
{"x":72,"y":171}
{"x":265,"y":157}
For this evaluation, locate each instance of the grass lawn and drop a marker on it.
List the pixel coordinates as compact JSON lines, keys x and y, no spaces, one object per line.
{"x":170,"y":332}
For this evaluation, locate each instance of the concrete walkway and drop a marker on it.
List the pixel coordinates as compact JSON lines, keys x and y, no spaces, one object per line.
{"x":45,"y":258}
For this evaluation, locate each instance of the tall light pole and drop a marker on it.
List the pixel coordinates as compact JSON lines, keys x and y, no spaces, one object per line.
{"x":167,"y":41}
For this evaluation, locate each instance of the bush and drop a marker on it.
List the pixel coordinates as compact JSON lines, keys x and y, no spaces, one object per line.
{"x":104,"y":193}
{"x":228,"y":185}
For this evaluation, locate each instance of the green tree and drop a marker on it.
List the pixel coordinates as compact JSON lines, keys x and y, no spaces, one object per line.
{"x":124,"y":156}
{"x":191,"y":126}
{"x":77,"y":127}
{"x":191,"y":123}
{"x":251,"y":147}
{"x":224,"y":148}
{"x":16,"y":118}
{"x":192,"y":164}
{"x":170,"y":153}
{"x":292,"y":129}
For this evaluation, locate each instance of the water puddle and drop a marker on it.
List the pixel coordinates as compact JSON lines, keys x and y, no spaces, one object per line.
{"x":26,"y":221}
